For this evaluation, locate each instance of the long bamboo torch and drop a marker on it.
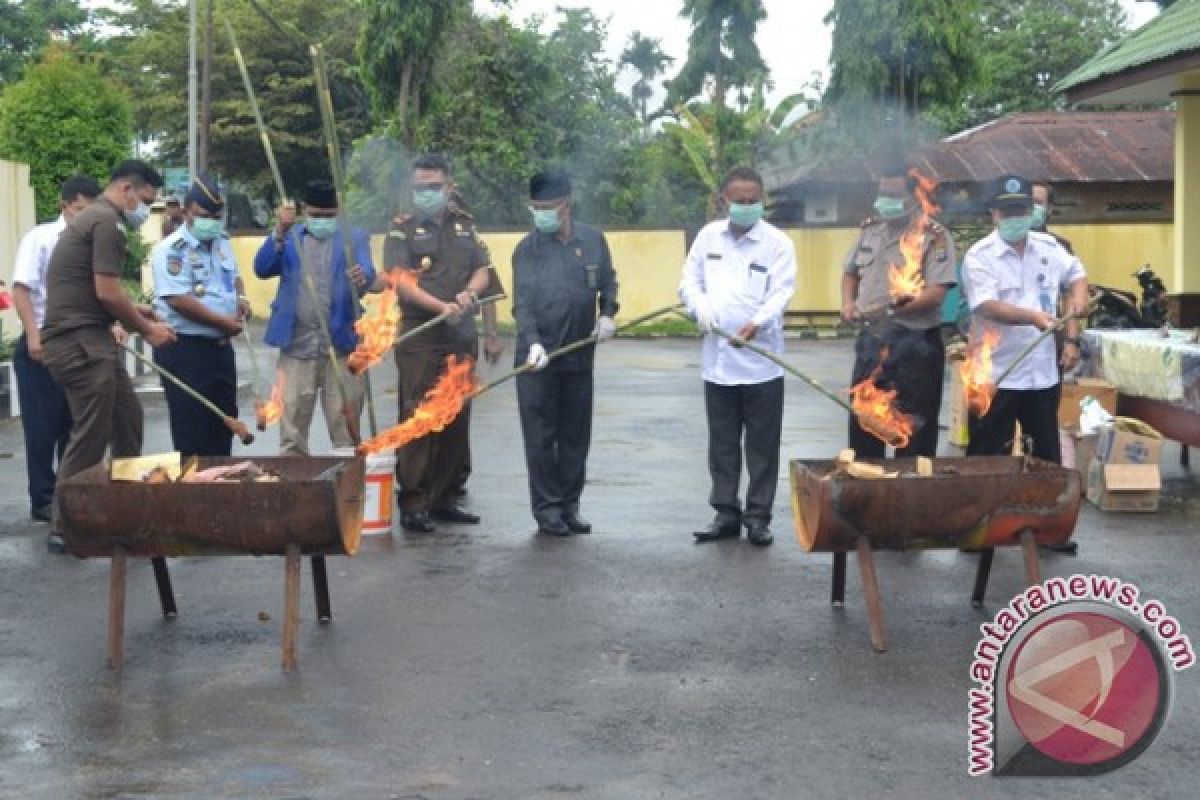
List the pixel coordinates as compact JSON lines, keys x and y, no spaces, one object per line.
{"x":440,"y":318}
{"x":329,"y":124}
{"x":235,"y":425}
{"x":1058,"y":325}
{"x":348,"y":410}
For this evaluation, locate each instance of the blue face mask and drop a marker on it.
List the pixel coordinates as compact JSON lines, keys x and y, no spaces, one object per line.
{"x":139,"y":215}
{"x":890,"y":208}
{"x":745,"y":215}
{"x":430,"y":202}
{"x":546,"y":220}
{"x":322,"y":227}
{"x":1014,"y":229}
{"x":205,"y":229}
{"x":1040,"y":215}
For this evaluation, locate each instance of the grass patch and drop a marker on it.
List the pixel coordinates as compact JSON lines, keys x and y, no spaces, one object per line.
{"x":655,"y":329}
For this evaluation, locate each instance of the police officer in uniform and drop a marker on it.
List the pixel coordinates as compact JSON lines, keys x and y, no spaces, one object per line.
{"x":903,"y":333}
{"x":439,"y":244}
{"x":199,"y":293}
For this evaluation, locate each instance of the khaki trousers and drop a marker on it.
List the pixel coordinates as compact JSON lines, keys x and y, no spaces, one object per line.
{"x":303,"y":380}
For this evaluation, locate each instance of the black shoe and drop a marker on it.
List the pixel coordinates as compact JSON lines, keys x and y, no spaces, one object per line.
{"x":456,"y":515}
{"x":55,"y":544}
{"x":759,"y":533}
{"x":417,"y":522}
{"x":553,"y":526}
{"x":576,"y":523}
{"x":459,"y":491}
{"x":1070,"y":548}
{"x":41,"y":513}
{"x":719,"y":529}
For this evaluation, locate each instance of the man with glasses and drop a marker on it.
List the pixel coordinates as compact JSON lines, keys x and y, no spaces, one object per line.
{"x":437,"y":246}
{"x":563,"y":278}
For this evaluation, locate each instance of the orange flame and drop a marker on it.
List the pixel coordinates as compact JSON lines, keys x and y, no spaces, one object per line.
{"x":906,"y":280}
{"x":268,"y":412}
{"x":376,"y":332}
{"x":976,"y":372}
{"x":876,"y":411}
{"x":441,"y":405}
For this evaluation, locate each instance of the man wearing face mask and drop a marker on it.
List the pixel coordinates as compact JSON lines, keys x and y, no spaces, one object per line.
{"x":563,"y":278}
{"x":45,"y":419}
{"x":438,"y":245}
{"x":84,"y":296}
{"x":315,"y":295}
{"x":903,"y":333}
{"x":1013,"y":278}
{"x":739,"y":276}
{"x":1043,"y":209}
{"x":199,"y":293}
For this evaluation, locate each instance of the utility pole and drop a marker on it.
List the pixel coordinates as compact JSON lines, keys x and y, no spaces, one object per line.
{"x":206,"y":91}
{"x":192,"y":81}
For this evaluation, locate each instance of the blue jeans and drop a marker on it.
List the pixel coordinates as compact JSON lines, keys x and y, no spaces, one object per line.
{"x":45,"y":419}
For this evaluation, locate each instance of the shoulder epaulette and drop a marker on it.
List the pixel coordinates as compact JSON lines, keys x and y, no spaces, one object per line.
{"x":869,"y":221}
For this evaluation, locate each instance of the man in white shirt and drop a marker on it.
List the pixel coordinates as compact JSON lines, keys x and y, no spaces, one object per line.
{"x":45,"y":418}
{"x":739,"y":276}
{"x":1013,"y":278}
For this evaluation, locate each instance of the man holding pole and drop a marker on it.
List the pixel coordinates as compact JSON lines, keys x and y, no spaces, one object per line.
{"x":739,"y":277}
{"x":1013,"y":278}
{"x":200,"y":294}
{"x":84,"y":296}
{"x":438,"y":247}
{"x":315,"y":304}
{"x":562,"y":278}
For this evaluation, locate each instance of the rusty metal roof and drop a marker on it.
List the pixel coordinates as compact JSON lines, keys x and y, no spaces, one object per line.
{"x":1061,"y":147}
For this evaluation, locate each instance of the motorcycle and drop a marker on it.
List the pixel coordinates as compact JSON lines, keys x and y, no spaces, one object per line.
{"x":1117,"y":309}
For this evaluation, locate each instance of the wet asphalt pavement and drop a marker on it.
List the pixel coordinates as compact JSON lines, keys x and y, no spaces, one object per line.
{"x":485,"y":662}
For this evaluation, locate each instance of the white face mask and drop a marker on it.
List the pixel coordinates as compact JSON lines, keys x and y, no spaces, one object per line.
{"x":138,"y":215}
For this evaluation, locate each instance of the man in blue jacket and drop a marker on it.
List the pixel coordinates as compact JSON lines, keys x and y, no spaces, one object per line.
{"x":295,"y":326}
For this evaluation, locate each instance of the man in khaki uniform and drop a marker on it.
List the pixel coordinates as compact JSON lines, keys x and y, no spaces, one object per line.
{"x":904,"y":334}
{"x":438,"y":243}
{"x":84,"y":296}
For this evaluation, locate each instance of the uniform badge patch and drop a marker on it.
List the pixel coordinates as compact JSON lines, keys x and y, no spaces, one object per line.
{"x":199,"y":290}
{"x":174,"y":266}
{"x":398,"y":234}
{"x":426,"y":263}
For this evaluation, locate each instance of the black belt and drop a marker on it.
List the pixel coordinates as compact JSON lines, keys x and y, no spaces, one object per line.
{"x":215,"y":341}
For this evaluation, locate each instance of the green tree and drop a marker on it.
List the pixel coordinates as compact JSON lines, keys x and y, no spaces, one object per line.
{"x":64,"y":118}
{"x":910,"y":54}
{"x":27,"y":25}
{"x":644,"y":55}
{"x":149,"y":50}
{"x":398,"y":45}
{"x":1028,"y":46}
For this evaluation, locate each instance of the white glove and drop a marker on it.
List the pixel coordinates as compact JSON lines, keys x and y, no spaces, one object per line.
{"x":605,"y":328}
{"x":537,"y":357}
{"x":706,"y":318}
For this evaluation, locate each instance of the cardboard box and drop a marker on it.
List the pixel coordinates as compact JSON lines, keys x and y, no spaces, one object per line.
{"x":957,"y":434}
{"x":1129,"y":441}
{"x":1077,"y":453}
{"x":1123,"y":487}
{"x":1068,"y":406}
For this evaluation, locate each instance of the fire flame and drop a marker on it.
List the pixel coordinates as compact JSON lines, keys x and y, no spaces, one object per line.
{"x":876,"y":410}
{"x":268,"y":412}
{"x":906,"y":280}
{"x":976,"y":372}
{"x":441,"y":405}
{"x":377,"y":333}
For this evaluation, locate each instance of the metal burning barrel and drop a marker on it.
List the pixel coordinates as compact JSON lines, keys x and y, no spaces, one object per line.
{"x":315,"y":505}
{"x":976,"y":502}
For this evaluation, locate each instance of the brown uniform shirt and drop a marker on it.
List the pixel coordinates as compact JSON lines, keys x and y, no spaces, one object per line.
{"x":92,"y":243}
{"x":444,"y":254}
{"x":878,"y":248}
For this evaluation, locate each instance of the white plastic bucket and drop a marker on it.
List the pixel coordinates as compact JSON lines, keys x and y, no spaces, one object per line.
{"x":377,"y":499}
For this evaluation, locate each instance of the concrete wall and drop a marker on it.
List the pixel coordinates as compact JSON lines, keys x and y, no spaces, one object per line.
{"x":18,"y":215}
{"x":648,"y":262}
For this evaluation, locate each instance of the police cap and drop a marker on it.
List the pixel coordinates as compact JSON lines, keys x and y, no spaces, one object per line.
{"x":206,"y":194}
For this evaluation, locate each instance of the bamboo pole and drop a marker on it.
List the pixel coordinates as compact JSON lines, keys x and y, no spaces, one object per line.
{"x":440,"y":318}
{"x":1058,"y":325}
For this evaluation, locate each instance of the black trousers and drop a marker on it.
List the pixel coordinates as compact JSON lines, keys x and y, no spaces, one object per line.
{"x":914,"y":364}
{"x":556,"y":425}
{"x":756,"y":411}
{"x":45,"y":419}
{"x":1035,"y":409}
{"x":207,"y":365}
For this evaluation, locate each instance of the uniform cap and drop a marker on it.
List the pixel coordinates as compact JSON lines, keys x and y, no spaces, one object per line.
{"x":206,"y":194}
{"x":1012,"y":191}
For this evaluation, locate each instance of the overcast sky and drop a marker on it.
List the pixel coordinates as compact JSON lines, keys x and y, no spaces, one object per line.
{"x":794,"y":40}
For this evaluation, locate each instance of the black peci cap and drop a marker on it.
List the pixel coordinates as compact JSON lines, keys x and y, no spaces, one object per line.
{"x":1012,"y":191}
{"x":550,"y":184}
{"x":320,"y":194}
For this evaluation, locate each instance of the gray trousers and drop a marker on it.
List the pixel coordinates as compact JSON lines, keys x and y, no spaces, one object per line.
{"x":303,"y":380}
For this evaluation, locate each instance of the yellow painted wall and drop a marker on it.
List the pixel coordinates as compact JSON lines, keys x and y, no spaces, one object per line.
{"x":648,"y":263}
{"x":1185,"y":276}
{"x":18,"y":215}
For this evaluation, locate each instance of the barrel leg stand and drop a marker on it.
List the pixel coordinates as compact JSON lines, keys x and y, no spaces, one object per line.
{"x":291,"y":606}
{"x":321,"y":589}
{"x":166,"y":595}
{"x":837,"y":595}
{"x":116,"y":608}
{"x":982,"y":573}
{"x":866,"y":565}
{"x":1029,"y":548}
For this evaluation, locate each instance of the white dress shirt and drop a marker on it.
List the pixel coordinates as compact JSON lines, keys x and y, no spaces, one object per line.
{"x":993,"y":270}
{"x":33,"y":256}
{"x":744,"y":279}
